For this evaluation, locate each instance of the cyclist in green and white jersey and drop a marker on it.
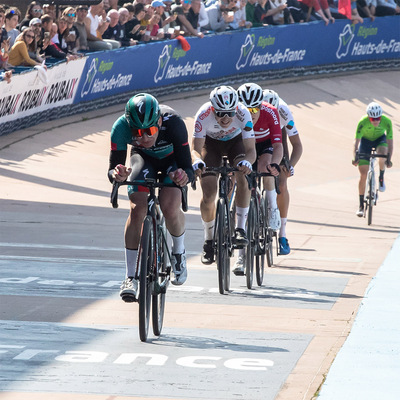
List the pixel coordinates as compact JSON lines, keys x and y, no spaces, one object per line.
{"x":374,"y":130}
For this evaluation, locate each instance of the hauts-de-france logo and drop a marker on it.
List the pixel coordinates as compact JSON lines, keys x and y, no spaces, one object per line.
{"x":162,"y":63}
{"x":87,"y":86}
{"x":245,"y":51}
{"x":345,"y":38}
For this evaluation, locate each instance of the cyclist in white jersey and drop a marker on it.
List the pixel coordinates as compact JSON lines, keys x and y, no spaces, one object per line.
{"x":289,"y":161}
{"x":223,"y":126}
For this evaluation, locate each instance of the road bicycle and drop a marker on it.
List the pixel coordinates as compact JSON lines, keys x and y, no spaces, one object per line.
{"x":224,"y":227}
{"x":371,"y":191}
{"x":154,"y":258}
{"x":259,"y":233}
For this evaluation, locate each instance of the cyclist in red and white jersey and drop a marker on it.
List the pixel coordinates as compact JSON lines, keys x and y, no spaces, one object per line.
{"x":269,"y":149}
{"x":223,"y":126}
{"x":288,"y":163}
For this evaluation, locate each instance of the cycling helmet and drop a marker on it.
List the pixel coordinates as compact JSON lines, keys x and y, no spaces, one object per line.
{"x":142,"y":111}
{"x":250,"y":94}
{"x":224,"y":98}
{"x":374,"y":110}
{"x":271,"y":97}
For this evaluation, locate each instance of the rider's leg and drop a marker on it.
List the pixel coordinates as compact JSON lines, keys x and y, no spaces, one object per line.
{"x":382,"y":149}
{"x":363,"y":169}
{"x":283,"y":200}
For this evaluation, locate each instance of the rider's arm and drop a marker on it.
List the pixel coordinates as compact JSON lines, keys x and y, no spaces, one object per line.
{"x":250,"y":150}
{"x":277,"y":153}
{"x":197,"y":147}
{"x":297,"y":149}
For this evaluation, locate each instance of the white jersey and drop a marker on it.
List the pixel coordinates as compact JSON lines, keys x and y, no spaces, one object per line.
{"x":286,"y":118}
{"x":206,"y":124}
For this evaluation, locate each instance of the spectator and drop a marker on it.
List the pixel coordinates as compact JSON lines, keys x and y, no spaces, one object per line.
{"x":167,"y":16}
{"x":49,"y":47}
{"x":153,"y":30}
{"x":265,"y":12}
{"x":72,"y":33}
{"x":79,"y":24}
{"x":34,"y":10}
{"x":250,"y":13}
{"x":220,"y":16}
{"x":137,"y":31}
{"x":239,"y":20}
{"x":50,"y":9}
{"x":36,"y":25}
{"x":124,"y":39}
{"x":320,"y":7}
{"x":12,"y":16}
{"x":387,"y":7}
{"x":4,"y":43}
{"x":366,"y":8}
{"x":19,"y":55}
{"x":296,"y":11}
{"x":63,"y":37}
{"x":203,"y":17}
{"x":96,"y":25}
{"x":6,"y":76}
{"x":114,"y":28}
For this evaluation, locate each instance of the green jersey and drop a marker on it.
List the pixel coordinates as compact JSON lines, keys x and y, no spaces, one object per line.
{"x":366,"y":130}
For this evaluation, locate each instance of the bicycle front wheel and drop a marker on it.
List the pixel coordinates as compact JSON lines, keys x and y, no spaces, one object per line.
{"x":222,"y":237}
{"x":146,"y":259}
{"x":160,"y":281}
{"x":260,"y":234}
{"x":251,"y":221}
{"x":370,"y":201}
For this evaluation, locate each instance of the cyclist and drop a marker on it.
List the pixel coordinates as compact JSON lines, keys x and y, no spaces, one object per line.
{"x":374,"y":130}
{"x":159,"y":141}
{"x":288,"y":162}
{"x":269,"y":149}
{"x":223,"y":127}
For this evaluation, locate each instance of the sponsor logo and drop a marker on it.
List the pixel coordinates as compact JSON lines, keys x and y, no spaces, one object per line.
{"x":345,"y":38}
{"x":205,"y":114}
{"x":198,"y":127}
{"x":245,"y":51}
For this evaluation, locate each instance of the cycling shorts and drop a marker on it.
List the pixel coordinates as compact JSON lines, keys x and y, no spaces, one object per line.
{"x":144,"y":166}
{"x":366,"y":147}
{"x":213,"y":151}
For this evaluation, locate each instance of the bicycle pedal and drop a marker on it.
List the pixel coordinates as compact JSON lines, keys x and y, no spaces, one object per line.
{"x":238,"y":273}
{"x":128,"y":298}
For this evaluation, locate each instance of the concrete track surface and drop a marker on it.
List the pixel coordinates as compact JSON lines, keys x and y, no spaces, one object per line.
{"x":65,"y":334}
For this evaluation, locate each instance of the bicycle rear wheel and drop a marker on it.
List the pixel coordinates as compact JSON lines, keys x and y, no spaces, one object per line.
{"x":160,"y":281}
{"x":222,"y":247}
{"x":146,"y":256}
{"x":259,"y":234}
{"x":251,"y":221}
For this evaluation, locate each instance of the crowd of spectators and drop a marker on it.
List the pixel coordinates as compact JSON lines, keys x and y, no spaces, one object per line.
{"x":48,"y":33}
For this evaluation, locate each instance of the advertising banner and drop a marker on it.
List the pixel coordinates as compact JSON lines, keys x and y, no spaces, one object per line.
{"x":32,"y":92}
{"x":161,"y":64}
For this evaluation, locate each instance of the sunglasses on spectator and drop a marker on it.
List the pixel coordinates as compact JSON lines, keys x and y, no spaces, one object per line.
{"x":374,"y":119}
{"x":38,"y":10}
{"x":71,"y":15}
{"x":30,"y":36}
{"x":222,"y":114}
{"x":149,"y":132}
{"x":253,"y":110}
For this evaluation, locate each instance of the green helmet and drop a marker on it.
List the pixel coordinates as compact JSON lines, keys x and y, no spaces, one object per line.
{"x":142,"y":111}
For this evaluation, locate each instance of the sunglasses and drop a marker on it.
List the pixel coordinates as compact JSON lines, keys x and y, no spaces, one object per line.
{"x":253,"y":110}
{"x":71,"y":15}
{"x":38,"y":11}
{"x":149,"y":132}
{"x":374,"y":119}
{"x":221,"y":114}
{"x":30,"y":36}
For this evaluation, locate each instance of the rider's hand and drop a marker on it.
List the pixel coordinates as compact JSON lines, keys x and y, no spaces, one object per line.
{"x":121,"y":173}
{"x":179,"y":177}
{"x":198,"y":166}
{"x":273,"y":169}
{"x":244,"y":167}
{"x":389,"y":163}
{"x":354,"y":162}
{"x":288,"y":172}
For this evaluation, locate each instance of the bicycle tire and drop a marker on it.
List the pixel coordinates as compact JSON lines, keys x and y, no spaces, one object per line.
{"x":251,"y":221}
{"x":146,"y":256}
{"x":222,"y":248}
{"x":370,"y":201}
{"x":269,"y":236}
{"x":260,"y":238}
{"x":160,"y":281}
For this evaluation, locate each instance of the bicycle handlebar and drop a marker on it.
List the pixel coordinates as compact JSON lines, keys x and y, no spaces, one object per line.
{"x":372,"y":155}
{"x":149,"y":183}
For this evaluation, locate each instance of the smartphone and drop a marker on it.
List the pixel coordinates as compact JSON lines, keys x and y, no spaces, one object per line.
{"x":46,"y":35}
{"x":142,"y":27}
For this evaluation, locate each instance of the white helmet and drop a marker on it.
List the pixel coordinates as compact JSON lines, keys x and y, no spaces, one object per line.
{"x":250,"y":94}
{"x":271,"y":97}
{"x":224,"y":98}
{"x":374,"y":110}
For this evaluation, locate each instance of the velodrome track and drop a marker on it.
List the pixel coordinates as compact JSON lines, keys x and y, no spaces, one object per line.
{"x":64,"y":332}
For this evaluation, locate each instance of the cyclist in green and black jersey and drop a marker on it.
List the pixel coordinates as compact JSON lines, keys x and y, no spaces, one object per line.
{"x":159,"y":141}
{"x":374,"y":130}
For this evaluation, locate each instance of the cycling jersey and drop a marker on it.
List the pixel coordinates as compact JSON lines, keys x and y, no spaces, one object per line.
{"x":286,"y":118}
{"x":207,"y":125}
{"x":366,"y":130}
{"x":268,"y":125}
{"x":172,"y":141}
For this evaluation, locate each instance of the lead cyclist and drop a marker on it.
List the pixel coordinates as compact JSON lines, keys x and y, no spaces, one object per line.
{"x":374,"y":130}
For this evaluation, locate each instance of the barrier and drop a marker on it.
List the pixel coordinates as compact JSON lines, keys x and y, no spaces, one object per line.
{"x":106,"y":78}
